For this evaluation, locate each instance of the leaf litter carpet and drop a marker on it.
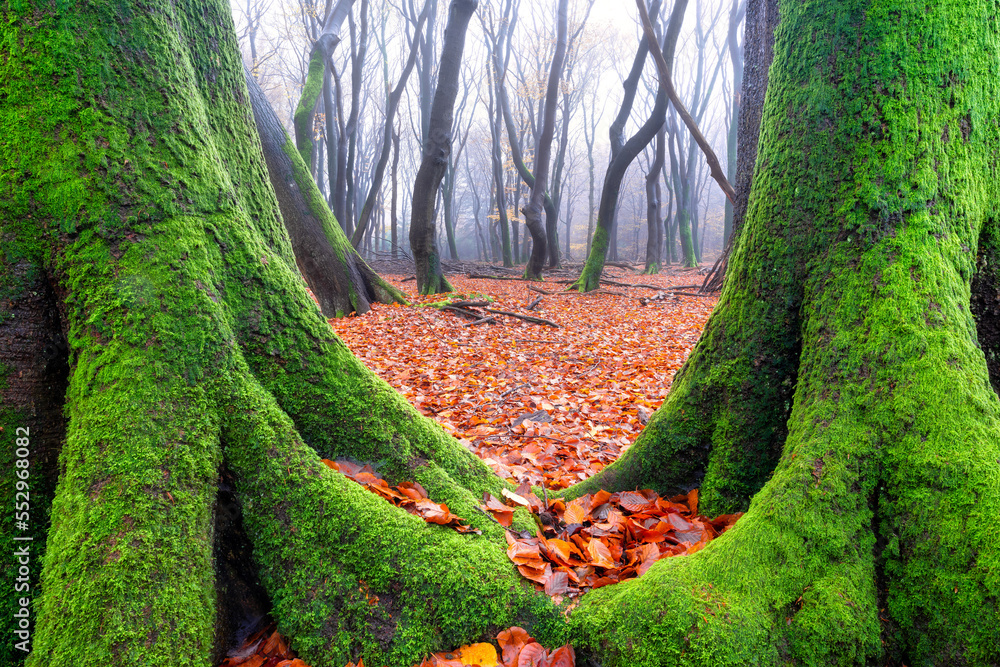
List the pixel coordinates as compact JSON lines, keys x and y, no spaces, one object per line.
{"x":545,"y":406}
{"x":538,"y":404}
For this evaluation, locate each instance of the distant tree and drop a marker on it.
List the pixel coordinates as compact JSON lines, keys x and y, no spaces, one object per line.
{"x":436,"y":152}
{"x":392,"y":104}
{"x":543,"y":148}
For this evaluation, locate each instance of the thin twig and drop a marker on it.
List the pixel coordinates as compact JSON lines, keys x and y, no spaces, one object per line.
{"x":666,"y":81}
{"x":484,"y":320}
{"x":526,"y":318}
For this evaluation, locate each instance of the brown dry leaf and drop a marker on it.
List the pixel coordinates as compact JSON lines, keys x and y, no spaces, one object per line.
{"x":511,"y":641}
{"x":575,"y":512}
{"x":600,"y":555}
{"x":533,"y":655}
{"x":562,"y":657}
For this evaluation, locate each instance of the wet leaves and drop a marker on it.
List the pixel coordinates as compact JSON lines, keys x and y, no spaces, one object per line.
{"x":264,"y":648}
{"x":604,"y":538}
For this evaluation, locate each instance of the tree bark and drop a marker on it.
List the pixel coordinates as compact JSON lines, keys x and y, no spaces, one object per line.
{"x":437,"y":149}
{"x":341,"y":281}
{"x":654,"y":227}
{"x":735,"y":49}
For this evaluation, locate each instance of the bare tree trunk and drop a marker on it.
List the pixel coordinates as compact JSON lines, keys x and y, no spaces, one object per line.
{"x":499,"y":195}
{"x":357,"y":70}
{"x":437,"y":149}
{"x":543,"y":148}
{"x":736,"y":58}
{"x":340,"y":192}
{"x":654,"y":229}
{"x":395,"y":182}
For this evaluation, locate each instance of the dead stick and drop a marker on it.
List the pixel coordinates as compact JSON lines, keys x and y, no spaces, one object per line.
{"x":526,"y":318}
{"x":483,"y":276}
{"x":665,"y":79}
{"x":468,"y":304}
{"x":462,"y":311}
{"x":483,"y":320}
{"x":538,"y":289}
{"x":531,"y":306}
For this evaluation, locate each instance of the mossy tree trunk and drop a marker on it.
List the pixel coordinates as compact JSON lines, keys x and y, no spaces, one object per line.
{"x":841,"y":382}
{"x":341,"y":281}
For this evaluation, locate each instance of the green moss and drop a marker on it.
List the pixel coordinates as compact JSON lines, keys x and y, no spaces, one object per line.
{"x":590,"y":277}
{"x":687,"y":239}
{"x":326,"y":567}
{"x":303,"y":120}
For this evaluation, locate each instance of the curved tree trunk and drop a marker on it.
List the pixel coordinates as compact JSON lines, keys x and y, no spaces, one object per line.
{"x":590,"y":277}
{"x":654,"y":226}
{"x":341,"y":281}
{"x":543,"y":150}
{"x":437,"y":149}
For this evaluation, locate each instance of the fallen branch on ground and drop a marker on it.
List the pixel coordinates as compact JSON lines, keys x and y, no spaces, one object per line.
{"x":526,"y":318}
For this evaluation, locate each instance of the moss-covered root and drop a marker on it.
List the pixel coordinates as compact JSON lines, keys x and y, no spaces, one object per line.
{"x":885,"y":498}
{"x":791,"y":583}
{"x":128,"y":577}
{"x":652,"y":269}
{"x":590,"y":277}
{"x":352,"y":576}
{"x":887,"y":506}
{"x":724,"y":423}
{"x":430,"y":277}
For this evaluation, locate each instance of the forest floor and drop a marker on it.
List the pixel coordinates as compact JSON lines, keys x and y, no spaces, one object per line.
{"x":543,"y":404}
{"x":539,"y":404}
